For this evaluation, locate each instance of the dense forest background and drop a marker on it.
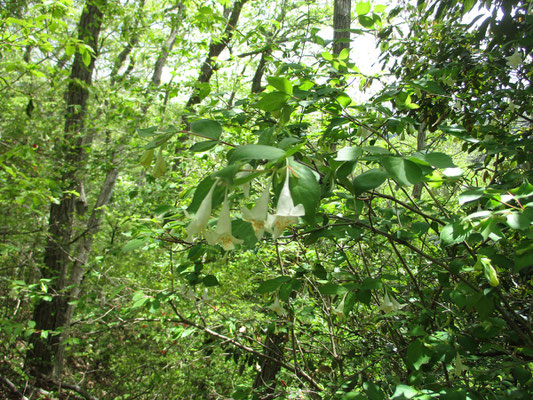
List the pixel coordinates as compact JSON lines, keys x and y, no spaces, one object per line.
{"x":229,"y":199}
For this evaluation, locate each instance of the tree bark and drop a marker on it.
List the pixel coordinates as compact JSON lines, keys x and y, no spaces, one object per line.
{"x":420,"y":145}
{"x":215,"y":48}
{"x":51,"y":316}
{"x":341,"y":25}
{"x":269,"y":368}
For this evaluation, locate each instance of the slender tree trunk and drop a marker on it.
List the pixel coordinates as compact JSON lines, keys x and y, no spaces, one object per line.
{"x":269,"y":368}
{"x":420,"y":145}
{"x":51,"y":316}
{"x":341,"y":25}
{"x":215,"y":48}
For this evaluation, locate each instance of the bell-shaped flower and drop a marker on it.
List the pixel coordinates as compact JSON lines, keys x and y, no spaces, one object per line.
{"x":339,"y":310}
{"x":287,"y":213}
{"x":222,"y":234}
{"x":514,"y":60}
{"x":277,"y":307}
{"x":389,"y":304}
{"x":201,"y":218}
{"x":258,"y":214}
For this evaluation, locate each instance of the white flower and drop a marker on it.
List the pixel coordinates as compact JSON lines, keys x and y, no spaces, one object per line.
{"x":201,"y":218}
{"x":222,"y":234}
{"x":277,"y":307}
{"x":339,"y":310}
{"x":287,"y":213}
{"x":389,"y":305}
{"x":258,"y":214}
{"x":515,"y":60}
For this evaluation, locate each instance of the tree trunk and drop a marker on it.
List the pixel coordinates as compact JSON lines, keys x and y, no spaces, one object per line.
{"x":269,"y":368}
{"x":51,"y":316}
{"x":341,"y":25}
{"x":215,"y":48}
{"x":420,"y":145}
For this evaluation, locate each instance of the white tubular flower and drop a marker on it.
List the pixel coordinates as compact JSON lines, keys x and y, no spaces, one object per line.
{"x":277,"y":307}
{"x":201,"y":218}
{"x":222,"y":234}
{"x":389,"y":305}
{"x":258,"y":214}
{"x":515,"y":60}
{"x":287,"y":213}
{"x":339,"y":310}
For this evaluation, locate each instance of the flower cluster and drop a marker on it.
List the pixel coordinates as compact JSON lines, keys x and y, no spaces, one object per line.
{"x":286,"y":214}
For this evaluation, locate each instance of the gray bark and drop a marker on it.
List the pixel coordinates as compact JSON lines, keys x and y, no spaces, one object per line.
{"x":341,"y":25}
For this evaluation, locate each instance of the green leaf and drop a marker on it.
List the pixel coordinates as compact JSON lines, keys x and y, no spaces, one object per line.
{"x":272,"y":285}
{"x":146,"y":132}
{"x":362,"y":8}
{"x":280,"y":83}
{"x":210,"y":280}
{"x":86,"y":56}
{"x":135,"y":244}
{"x":404,"y":392}
{"x":403,"y":171}
{"x":332,"y":289}
{"x":160,"y":166}
{"x":453,"y":233}
{"x":471,"y":195}
{"x":344,"y":54}
{"x":373,"y":391}
{"x":326,"y":55}
{"x":365,"y":21}
{"x":207,"y":128}
{"x":369,"y":180}
{"x":417,"y":355}
{"x":272,"y":101}
{"x":146,"y":158}
{"x":255,"y":152}
{"x":349,"y":154}
{"x":305,"y":188}
{"x":518,"y":221}
{"x":203,"y":146}
{"x":344,"y":100}
{"x":436,"y":159}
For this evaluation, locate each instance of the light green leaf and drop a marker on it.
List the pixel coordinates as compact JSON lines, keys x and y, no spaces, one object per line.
{"x":160,"y":166}
{"x":344,"y":100}
{"x":146,"y":158}
{"x":518,"y":221}
{"x":255,"y":152}
{"x":280,"y":83}
{"x":344,"y":54}
{"x":272,"y":101}
{"x":207,"y":128}
{"x":135,"y":244}
{"x":471,"y":195}
{"x":362,"y":8}
{"x":349,"y":154}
